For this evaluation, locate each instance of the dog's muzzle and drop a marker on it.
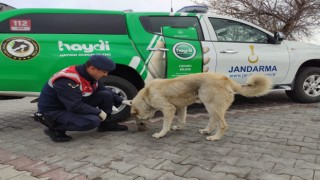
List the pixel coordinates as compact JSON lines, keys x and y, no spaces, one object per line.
{"x":142,"y":127}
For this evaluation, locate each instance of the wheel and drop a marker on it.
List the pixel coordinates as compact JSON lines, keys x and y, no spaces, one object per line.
{"x":306,"y":86}
{"x":123,"y":88}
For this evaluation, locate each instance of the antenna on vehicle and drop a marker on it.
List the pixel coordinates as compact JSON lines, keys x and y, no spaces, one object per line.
{"x":194,"y":9}
{"x":171,"y":6}
{"x":128,"y":10}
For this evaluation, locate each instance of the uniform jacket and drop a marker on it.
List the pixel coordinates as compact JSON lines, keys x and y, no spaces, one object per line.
{"x":67,"y":89}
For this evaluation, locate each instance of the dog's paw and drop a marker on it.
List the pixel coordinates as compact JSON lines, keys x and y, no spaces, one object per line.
{"x":203,"y":131}
{"x":213,"y":138}
{"x":177,"y":127}
{"x":157,"y":135}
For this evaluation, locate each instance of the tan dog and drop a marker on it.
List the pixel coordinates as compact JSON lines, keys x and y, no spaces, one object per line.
{"x":215,"y":91}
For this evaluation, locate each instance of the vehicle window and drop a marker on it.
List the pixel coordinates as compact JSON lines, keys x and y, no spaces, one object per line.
{"x":70,"y":24}
{"x":233,"y":31}
{"x":153,"y":24}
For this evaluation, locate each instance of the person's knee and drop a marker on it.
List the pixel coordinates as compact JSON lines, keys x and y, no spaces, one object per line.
{"x":96,"y":122}
{"x":105,"y":94}
{"x":93,"y":123}
{"x":88,"y":123}
{"x":107,"y":101}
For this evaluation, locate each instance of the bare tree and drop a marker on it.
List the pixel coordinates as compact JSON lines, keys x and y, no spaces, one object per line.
{"x":297,"y":19}
{"x":5,"y":7}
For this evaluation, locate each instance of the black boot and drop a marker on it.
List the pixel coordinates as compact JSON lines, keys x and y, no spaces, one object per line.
{"x":109,"y":125}
{"x":44,"y":120}
{"x":57,"y":136}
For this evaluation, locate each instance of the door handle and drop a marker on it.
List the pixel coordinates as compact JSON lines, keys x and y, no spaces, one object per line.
{"x":158,"y":49}
{"x":228,"y":51}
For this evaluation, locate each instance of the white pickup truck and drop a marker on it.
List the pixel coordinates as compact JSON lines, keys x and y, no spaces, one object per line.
{"x":242,"y":48}
{"x":36,"y":43}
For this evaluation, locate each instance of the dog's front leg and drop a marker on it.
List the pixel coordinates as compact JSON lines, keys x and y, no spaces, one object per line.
{"x":182,"y":113}
{"x":167,"y":121}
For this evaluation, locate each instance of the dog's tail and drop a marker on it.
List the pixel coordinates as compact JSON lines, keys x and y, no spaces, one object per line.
{"x":256,"y":85}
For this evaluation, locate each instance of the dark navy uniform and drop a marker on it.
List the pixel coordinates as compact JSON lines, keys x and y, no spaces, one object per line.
{"x":65,"y":103}
{"x":73,"y":100}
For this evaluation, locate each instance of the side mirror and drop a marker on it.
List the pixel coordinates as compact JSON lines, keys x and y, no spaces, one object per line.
{"x":278,"y":37}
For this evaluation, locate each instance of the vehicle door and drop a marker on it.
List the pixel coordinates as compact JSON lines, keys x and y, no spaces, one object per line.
{"x":243,"y":49}
{"x":183,"y":51}
{"x":145,"y":29}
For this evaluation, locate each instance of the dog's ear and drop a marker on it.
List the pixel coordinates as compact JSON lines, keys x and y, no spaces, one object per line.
{"x":134,"y":112}
{"x":146,"y":95}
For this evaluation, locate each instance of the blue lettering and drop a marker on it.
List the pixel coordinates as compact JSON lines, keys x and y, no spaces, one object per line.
{"x":252,"y":69}
{"x":231,"y":70}
{"x":261,"y":68}
{"x":268,"y":68}
{"x":274,"y":68}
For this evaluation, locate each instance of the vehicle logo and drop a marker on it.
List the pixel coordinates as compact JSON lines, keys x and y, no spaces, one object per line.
{"x":20,"y":48}
{"x":252,"y":58}
{"x":20,"y":24}
{"x":184,"y":51}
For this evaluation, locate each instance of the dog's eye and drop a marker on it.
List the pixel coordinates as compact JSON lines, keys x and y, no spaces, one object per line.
{"x":134,"y":112}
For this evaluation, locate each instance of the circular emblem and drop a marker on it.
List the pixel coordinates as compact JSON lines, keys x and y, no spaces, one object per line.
{"x":20,"y":48}
{"x":252,"y":58}
{"x":184,"y":51}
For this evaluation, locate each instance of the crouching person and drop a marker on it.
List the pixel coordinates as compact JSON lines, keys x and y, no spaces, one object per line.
{"x":74,"y":100}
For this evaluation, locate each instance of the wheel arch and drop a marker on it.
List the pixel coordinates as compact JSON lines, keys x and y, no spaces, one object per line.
{"x":309,"y":63}
{"x":129,"y":74}
{"x":306,"y":90}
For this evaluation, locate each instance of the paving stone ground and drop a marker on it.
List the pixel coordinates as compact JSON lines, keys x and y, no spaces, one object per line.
{"x":268,"y":138}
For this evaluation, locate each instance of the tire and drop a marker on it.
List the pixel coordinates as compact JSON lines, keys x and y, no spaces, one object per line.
{"x":10,"y":97}
{"x":123,"y":88}
{"x":306,"y":86}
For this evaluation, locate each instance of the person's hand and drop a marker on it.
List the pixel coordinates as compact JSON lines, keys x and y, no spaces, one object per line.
{"x":206,"y":58}
{"x":103,"y":115}
{"x":115,"y":109}
{"x":157,"y":63}
{"x":127,"y":102}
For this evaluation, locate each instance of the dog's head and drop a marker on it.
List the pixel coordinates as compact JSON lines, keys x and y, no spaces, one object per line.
{"x":141,"y":111}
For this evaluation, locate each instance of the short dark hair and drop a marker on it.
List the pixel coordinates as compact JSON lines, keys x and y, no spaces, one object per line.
{"x":88,"y":64}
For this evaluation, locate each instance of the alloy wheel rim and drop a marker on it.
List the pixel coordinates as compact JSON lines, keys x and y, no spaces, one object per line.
{"x":311,"y":86}
{"x":122,"y":94}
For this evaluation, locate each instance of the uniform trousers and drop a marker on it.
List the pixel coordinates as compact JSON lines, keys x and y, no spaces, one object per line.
{"x":70,"y":121}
